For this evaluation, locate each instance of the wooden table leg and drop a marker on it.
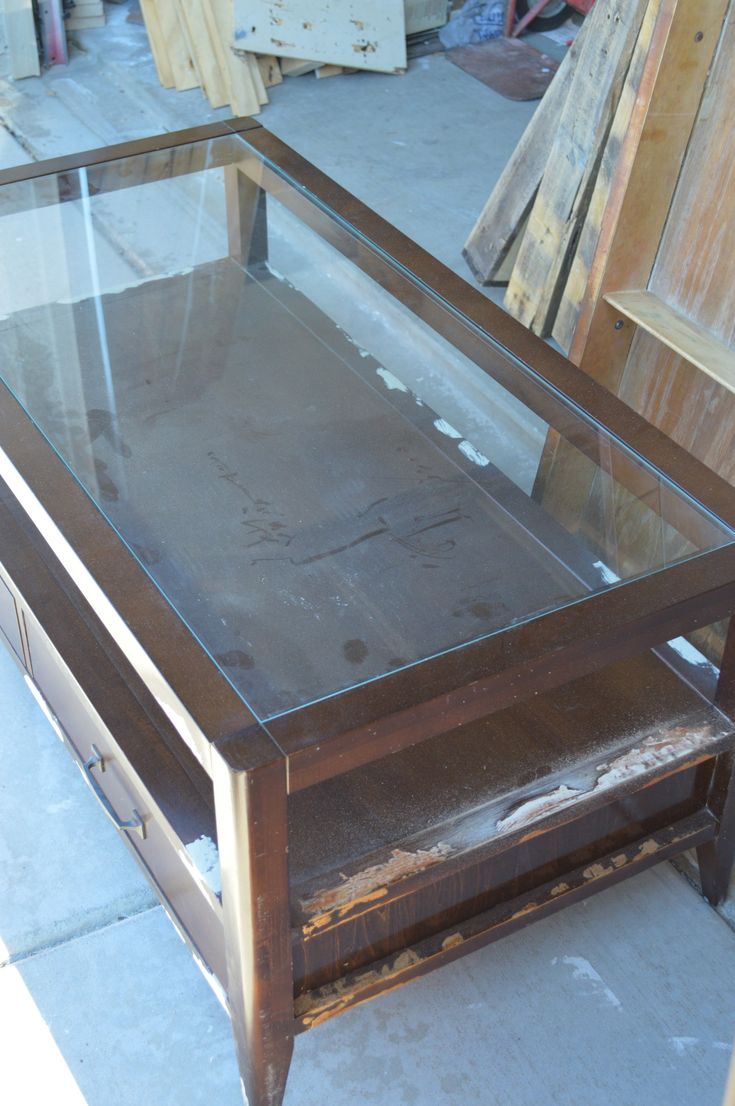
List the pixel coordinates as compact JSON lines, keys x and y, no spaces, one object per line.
{"x":716,"y":857}
{"x":247,"y":223}
{"x":250,"y":804}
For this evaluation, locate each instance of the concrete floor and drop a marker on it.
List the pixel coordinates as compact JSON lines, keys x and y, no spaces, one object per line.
{"x":627,"y":999}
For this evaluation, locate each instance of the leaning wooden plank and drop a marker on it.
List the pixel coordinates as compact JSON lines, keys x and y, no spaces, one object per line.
{"x":565,"y":191}
{"x":244,"y":98}
{"x":510,"y":201}
{"x":182,"y":66}
{"x":257,"y":78}
{"x":176,"y":5}
{"x":149,"y":8}
{"x":691,"y":341}
{"x":20,"y":31}
{"x":635,"y":217}
{"x":215,"y":87}
{"x":367,"y":34}
{"x":270,"y":70}
{"x":615,"y":165}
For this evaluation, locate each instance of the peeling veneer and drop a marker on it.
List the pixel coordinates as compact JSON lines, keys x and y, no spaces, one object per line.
{"x":332,"y":998}
{"x":370,"y":884}
{"x":366,"y":887}
{"x":657,"y":751}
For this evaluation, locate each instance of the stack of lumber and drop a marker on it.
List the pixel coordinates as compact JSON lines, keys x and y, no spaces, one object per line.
{"x":618,"y":113}
{"x":236,"y":49}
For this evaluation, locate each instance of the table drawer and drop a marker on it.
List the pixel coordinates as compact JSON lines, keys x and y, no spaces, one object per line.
{"x":177,"y":867}
{"x":9,"y":623}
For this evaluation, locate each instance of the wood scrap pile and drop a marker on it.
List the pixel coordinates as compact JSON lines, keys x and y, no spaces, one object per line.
{"x":543,"y":230}
{"x":236,"y":49}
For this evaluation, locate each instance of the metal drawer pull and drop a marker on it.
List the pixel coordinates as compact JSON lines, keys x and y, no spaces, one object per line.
{"x":136,"y":823}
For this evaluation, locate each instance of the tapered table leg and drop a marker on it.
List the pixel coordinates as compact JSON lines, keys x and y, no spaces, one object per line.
{"x":247,"y":223}
{"x":250,"y":801}
{"x":716,"y":857}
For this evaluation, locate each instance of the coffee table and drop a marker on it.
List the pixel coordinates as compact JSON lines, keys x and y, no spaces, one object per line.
{"x":361,"y":610}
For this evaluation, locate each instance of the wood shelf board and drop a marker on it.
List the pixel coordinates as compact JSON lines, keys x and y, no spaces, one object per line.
{"x":691,"y":341}
{"x":434,"y":803}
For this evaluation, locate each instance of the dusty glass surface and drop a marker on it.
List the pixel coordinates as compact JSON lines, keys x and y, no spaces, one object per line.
{"x":322,"y":487}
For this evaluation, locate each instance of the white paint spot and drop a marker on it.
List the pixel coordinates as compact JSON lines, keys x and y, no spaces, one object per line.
{"x":606,"y":573}
{"x":583,"y":971}
{"x":391,"y":382}
{"x":682,"y":1044}
{"x":473,"y":454}
{"x":203,"y":854}
{"x":446,"y":428}
{"x":686,"y":650}
{"x":57,"y":808}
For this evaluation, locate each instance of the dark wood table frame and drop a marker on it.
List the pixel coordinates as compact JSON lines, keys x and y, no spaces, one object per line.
{"x":108,"y":655}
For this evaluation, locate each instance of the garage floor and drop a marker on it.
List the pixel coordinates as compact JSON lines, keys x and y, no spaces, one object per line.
{"x":626,"y":999}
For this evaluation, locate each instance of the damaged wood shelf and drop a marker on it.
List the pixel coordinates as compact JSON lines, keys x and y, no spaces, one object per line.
{"x":377,"y":850}
{"x":682,"y":335}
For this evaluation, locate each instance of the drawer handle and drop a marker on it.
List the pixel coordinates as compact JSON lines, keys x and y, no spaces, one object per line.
{"x":136,"y":823}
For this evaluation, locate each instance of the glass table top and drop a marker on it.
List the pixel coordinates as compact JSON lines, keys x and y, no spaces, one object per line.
{"x":322,"y":487}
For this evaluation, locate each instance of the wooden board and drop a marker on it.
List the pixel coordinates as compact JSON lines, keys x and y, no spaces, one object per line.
{"x":149,"y":10}
{"x":199,"y":38}
{"x":647,"y":176}
{"x":695,"y":274}
{"x":244,"y":98}
{"x":270,"y":70}
{"x":366,"y":35}
{"x":688,"y":339}
{"x":565,"y":191}
{"x":20,"y":32}
{"x":510,"y":201}
{"x":172,"y":38}
{"x":615,"y":166}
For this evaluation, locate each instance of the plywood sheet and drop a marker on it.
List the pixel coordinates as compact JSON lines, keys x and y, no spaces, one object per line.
{"x":366,"y":35}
